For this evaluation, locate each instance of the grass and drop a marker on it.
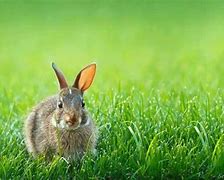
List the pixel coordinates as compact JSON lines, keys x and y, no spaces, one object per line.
{"x":157,"y":99}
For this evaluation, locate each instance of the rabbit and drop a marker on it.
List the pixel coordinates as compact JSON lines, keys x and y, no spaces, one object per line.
{"x":60,"y":125}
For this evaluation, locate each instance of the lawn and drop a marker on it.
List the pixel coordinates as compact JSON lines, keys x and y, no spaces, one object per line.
{"x":158,"y":95}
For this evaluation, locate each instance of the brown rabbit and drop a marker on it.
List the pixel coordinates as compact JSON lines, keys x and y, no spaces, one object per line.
{"x":60,"y":124}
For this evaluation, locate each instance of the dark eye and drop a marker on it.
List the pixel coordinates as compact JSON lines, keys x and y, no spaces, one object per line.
{"x":83,"y":104}
{"x":60,"y":104}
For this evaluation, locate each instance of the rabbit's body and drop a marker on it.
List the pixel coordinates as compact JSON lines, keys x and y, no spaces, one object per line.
{"x":43,"y":137}
{"x":68,"y":130}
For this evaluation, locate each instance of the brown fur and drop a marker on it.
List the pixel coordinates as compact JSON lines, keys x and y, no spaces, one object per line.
{"x":42,"y":137}
{"x":60,"y":124}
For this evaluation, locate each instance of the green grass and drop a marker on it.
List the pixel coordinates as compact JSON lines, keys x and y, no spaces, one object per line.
{"x":158,"y":96}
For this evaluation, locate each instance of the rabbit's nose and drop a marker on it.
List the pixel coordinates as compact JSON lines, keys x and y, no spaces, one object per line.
{"x":69,"y":119}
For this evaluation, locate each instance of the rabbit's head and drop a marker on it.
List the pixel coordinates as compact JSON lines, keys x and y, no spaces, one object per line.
{"x":70,"y":113}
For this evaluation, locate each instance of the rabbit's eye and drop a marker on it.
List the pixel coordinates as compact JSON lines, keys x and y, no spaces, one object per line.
{"x":83,"y":104}
{"x":60,"y":104}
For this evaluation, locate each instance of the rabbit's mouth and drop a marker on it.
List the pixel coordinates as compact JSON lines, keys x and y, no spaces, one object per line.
{"x":61,"y":124}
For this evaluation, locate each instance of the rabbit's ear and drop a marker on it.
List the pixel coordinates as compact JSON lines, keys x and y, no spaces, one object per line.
{"x":60,"y":76}
{"x":85,"y":77}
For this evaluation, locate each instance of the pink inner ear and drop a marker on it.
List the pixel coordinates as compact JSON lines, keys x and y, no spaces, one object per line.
{"x":85,"y":77}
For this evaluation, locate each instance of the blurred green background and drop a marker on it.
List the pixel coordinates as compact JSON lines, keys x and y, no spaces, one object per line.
{"x":149,"y":44}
